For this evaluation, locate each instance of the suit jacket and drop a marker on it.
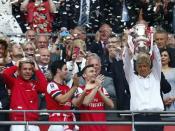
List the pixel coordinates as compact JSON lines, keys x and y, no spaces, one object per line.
{"x":102,"y":53}
{"x":108,"y":84}
{"x":4,"y":99}
{"x":121,"y":85}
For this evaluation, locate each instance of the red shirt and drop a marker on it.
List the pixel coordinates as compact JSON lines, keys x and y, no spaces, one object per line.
{"x":24,"y":94}
{"x":96,"y":104}
{"x":54,"y":89}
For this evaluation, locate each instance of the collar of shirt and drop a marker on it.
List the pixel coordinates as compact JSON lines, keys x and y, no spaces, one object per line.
{"x":141,"y":77}
{"x":46,"y":66}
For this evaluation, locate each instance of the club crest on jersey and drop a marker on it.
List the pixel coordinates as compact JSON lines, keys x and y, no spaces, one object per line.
{"x":52,"y":87}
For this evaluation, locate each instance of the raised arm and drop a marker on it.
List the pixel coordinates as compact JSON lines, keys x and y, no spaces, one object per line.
{"x":95,"y":86}
{"x":8,"y":75}
{"x":157,"y":66}
{"x":128,"y":67}
{"x":62,"y":98}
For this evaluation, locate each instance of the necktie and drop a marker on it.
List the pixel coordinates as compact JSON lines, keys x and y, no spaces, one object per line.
{"x":43,"y":69}
{"x":125,"y":16}
{"x":84,"y":12}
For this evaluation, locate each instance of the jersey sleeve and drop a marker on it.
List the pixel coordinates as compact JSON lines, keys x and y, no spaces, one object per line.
{"x":53,"y":89}
{"x":105,"y":92}
{"x":78,"y":92}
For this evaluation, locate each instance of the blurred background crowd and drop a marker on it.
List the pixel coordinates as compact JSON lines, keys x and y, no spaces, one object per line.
{"x":50,"y":30}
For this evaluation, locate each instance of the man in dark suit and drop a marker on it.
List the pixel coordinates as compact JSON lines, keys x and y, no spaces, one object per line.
{"x":4,"y":104}
{"x":16,"y":53}
{"x":99,"y":47}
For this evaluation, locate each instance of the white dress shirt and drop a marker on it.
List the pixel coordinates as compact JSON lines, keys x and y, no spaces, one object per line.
{"x":145,"y":92}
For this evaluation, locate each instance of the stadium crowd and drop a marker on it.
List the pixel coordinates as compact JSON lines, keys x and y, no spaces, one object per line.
{"x":65,"y":63}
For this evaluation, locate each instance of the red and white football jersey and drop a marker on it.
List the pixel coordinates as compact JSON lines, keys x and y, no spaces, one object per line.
{"x":96,"y":104}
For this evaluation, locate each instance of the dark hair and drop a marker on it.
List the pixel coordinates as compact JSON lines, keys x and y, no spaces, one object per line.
{"x":56,"y":65}
{"x":169,"y":54}
{"x":4,"y":43}
{"x":86,"y":67}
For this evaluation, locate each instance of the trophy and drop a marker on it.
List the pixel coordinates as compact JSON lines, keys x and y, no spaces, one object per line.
{"x":140,"y":39}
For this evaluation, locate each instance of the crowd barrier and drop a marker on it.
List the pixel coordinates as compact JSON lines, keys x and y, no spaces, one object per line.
{"x":128,"y":123}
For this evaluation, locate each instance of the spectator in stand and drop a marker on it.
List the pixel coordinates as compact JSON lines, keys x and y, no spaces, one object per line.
{"x":78,"y":60}
{"x":44,"y":60}
{"x":42,"y":41}
{"x":145,"y":84}
{"x":58,"y":96}
{"x":3,"y":52}
{"x":100,"y":47}
{"x":4,"y":102}
{"x":114,"y":51}
{"x":169,"y":72}
{"x":79,"y":32}
{"x":29,"y":50}
{"x":161,"y":38}
{"x":30,"y":35}
{"x":24,"y":92}
{"x":39,"y":15}
{"x":92,"y":96}
{"x":171,"y":41}
{"x":117,"y":72}
{"x":16,"y":53}
{"x":43,"y":64}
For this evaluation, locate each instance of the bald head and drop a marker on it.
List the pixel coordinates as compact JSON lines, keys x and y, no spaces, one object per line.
{"x":44,"y":56}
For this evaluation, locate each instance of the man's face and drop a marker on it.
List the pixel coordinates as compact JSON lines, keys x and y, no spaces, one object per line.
{"x":96,"y":64}
{"x":105,"y":32}
{"x":161,"y":39}
{"x":2,"y":51}
{"x":44,"y":56}
{"x":30,"y":35}
{"x":29,"y":50}
{"x":114,"y":41}
{"x":79,"y":34}
{"x":143,"y":69}
{"x":17,"y":50}
{"x":64,"y":72}
{"x":42,"y":42}
{"x":26,"y":71}
{"x":90,"y":74}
